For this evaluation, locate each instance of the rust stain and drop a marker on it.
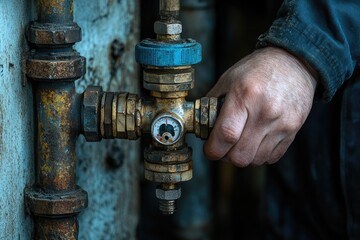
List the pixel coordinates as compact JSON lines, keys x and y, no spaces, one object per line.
{"x":45,"y":148}
{"x":46,"y":169}
{"x":55,"y":105}
{"x":62,"y":178}
{"x":50,"y":6}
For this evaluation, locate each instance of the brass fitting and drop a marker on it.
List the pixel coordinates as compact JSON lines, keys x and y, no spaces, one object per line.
{"x":167,"y":115}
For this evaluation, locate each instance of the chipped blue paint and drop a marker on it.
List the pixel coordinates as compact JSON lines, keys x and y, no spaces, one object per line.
{"x":113,"y":193}
{"x":16,"y":125}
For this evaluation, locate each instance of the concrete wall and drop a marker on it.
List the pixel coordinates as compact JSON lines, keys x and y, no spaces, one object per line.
{"x":16,"y":124}
{"x":108,"y":171}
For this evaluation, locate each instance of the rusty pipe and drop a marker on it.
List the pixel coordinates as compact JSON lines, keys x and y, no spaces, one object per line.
{"x":58,"y":117}
{"x":55,"y":11}
{"x":53,"y":66}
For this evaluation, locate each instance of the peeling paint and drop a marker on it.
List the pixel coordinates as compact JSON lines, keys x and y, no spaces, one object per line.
{"x":113,"y":192}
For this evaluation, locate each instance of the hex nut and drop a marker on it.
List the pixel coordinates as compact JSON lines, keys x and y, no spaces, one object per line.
{"x":71,"y":68}
{"x":55,"y":204}
{"x":204,"y":117}
{"x":131,"y":129}
{"x":167,"y":28}
{"x":121,"y":116}
{"x":170,"y":78}
{"x":54,"y":34}
{"x":171,"y":194}
{"x":91,"y":113}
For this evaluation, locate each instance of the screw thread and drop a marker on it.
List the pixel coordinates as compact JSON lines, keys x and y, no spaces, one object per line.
{"x":167,"y":207}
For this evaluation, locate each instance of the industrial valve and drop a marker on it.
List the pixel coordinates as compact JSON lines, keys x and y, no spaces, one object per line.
{"x":53,"y":66}
{"x":168,"y":74}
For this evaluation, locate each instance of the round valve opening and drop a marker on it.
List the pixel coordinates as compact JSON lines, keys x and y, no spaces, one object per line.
{"x":167,"y":129}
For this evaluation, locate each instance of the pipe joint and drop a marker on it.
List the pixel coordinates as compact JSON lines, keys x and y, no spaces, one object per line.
{"x":54,"y":205}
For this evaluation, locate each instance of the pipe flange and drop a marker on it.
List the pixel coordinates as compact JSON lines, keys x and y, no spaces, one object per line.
{"x":55,"y":204}
{"x":91,"y":113}
{"x":54,"y":34}
{"x":160,"y":54}
{"x":153,"y":155}
{"x":60,"y":69}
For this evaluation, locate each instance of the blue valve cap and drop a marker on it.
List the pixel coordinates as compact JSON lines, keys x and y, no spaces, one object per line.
{"x":159,"y":54}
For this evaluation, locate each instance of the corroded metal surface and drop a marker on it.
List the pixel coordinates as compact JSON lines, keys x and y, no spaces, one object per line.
{"x":66,"y":228}
{"x":56,"y":204}
{"x":205,"y":111}
{"x":67,"y":68}
{"x":90,"y":113}
{"x":55,"y":200}
{"x":54,"y":34}
{"x":55,"y":11}
{"x":57,"y":129}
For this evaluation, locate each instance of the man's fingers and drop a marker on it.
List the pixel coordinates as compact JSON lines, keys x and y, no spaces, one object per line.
{"x":267,"y":147}
{"x":280,"y":149}
{"x":244,"y":152}
{"x":227,"y":130}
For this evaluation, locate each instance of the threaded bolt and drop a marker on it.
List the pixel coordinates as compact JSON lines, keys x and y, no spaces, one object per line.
{"x":167,"y":207}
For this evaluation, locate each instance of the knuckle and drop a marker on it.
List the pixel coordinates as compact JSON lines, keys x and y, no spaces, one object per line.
{"x":254,"y":90}
{"x":239,"y":159}
{"x":291,"y":126}
{"x":229,"y":133}
{"x":213,"y":153}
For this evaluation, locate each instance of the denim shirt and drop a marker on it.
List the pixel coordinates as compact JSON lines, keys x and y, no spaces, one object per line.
{"x":314,"y":191}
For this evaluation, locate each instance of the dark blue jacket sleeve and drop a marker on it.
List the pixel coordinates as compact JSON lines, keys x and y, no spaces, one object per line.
{"x":325,"y":33}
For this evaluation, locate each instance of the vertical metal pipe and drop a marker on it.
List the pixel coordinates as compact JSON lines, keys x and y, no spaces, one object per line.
{"x":63,"y":228}
{"x":55,"y":11}
{"x":55,"y":200}
{"x":57,"y":130}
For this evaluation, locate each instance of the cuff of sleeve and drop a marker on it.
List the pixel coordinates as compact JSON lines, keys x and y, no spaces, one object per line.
{"x":311,"y":45}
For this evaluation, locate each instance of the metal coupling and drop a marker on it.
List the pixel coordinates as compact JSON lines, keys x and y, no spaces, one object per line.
{"x":54,"y":34}
{"x":110,"y":115}
{"x":55,"y":204}
{"x":206,"y":111}
{"x":169,"y":80}
{"x":168,"y":168}
{"x":67,"y":66}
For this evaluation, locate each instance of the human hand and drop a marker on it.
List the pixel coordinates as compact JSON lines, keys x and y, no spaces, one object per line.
{"x":269,"y":95}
